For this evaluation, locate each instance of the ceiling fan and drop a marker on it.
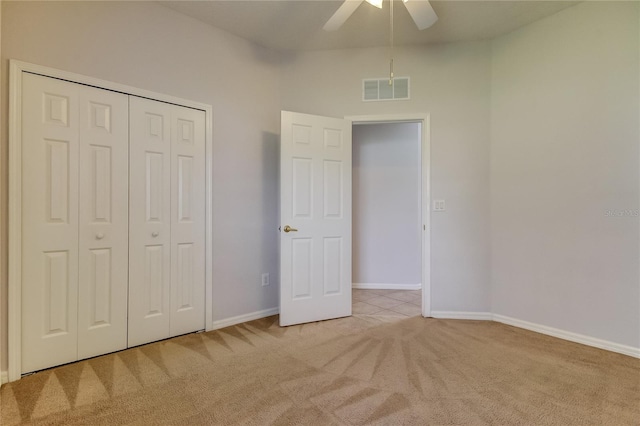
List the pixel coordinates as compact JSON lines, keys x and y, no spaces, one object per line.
{"x":420,"y":10}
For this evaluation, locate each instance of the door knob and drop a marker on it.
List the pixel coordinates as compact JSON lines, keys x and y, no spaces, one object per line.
{"x":287,"y":228}
{"x":99,"y":236}
{"x":154,"y":234}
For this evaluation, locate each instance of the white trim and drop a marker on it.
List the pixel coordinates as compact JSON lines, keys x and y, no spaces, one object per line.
{"x":227,"y":322}
{"x":570,"y":336}
{"x":14,"y":326}
{"x":457,"y":315}
{"x":3,"y":184}
{"x":425,"y":148}
{"x":15,"y":190}
{"x":4,"y":377}
{"x":426,"y":214}
{"x":479,"y":316}
{"x":208,"y":217}
{"x":543,"y":329}
{"x":385,"y":286}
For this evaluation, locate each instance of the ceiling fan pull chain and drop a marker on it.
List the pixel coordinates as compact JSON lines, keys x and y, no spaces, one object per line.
{"x":391,"y":43}
{"x":391,"y":72}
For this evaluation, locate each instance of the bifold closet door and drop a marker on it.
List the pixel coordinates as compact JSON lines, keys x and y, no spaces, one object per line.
{"x":74,"y":224}
{"x":187,"y":220}
{"x":49,"y":222}
{"x":149,"y":220}
{"x":166,"y":216}
{"x":104,"y":216}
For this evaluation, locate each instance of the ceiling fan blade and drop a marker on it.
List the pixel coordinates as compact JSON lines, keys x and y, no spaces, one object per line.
{"x":342,"y":14}
{"x":422,"y":13}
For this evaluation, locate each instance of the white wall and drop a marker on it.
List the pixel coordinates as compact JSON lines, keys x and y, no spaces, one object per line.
{"x":146,"y":45}
{"x":387,"y":225}
{"x":564,"y":151}
{"x":451,"y":82}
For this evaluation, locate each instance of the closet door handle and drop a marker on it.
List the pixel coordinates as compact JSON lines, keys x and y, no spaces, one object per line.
{"x":290,"y":229}
{"x":154,"y":234}
{"x":99,"y":236}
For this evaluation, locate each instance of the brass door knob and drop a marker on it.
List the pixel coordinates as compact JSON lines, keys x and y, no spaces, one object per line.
{"x":287,"y":228}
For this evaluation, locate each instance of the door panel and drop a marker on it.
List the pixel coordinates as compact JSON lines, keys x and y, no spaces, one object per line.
{"x":332,"y":189}
{"x":333,"y":267}
{"x":154,"y":280}
{"x":57,"y":172}
{"x":56,"y":293}
{"x":49,"y":222}
{"x":149,"y":220}
{"x":187,"y":220}
{"x":104,"y":216}
{"x":301,"y":276}
{"x":302,"y":185}
{"x":315,"y":188}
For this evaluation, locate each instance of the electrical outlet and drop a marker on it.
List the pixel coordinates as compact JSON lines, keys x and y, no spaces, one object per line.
{"x":438,"y":206}
{"x":265,"y":279}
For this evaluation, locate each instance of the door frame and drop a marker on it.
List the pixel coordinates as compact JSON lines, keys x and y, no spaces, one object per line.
{"x":16,"y":69}
{"x":425,"y":188}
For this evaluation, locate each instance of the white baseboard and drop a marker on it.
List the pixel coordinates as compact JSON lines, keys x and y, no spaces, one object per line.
{"x":4,"y":377}
{"x":568,"y":335}
{"x":385,"y":286}
{"x":543,"y":329}
{"x":227,"y":322}
{"x":480,"y":316}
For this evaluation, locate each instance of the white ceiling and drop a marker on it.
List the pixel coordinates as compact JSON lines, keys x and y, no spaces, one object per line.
{"x":297,"y":24}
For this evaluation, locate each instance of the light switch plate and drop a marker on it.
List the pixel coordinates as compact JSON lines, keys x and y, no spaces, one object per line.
{"x":438,"y":206}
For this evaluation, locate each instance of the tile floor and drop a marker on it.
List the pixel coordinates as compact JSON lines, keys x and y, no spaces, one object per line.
{"x":387,"y":302}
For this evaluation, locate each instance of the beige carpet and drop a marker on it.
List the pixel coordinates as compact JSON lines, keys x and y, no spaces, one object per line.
{"x":358,"y":370}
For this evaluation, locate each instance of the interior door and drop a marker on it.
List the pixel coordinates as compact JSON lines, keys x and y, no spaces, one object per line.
{"x":49,"y":222}
{"x":104,"y":217}
{"x":149,"y":220}
{"x":315,"y":211}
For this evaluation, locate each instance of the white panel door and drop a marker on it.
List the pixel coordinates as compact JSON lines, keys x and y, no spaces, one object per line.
{"x":315,"y":209}
{"x":104,"y":216}
{"x":49,"y":222}
{"x":149,"y":220}
{"x":187,"y":220}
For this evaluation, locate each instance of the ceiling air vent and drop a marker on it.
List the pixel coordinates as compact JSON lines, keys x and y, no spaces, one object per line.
{"x":378,"y":89}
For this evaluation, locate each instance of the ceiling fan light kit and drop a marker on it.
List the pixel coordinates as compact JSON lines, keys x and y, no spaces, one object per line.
{"x":420,"y":10}
{"x":378,"y":3}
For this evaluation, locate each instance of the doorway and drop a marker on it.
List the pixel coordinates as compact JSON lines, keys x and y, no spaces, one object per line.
{"x":316,"y":217}
{"x":391,"y":215}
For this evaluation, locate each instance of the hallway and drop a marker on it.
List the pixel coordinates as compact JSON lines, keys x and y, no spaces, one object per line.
{"x":387,"y":302}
